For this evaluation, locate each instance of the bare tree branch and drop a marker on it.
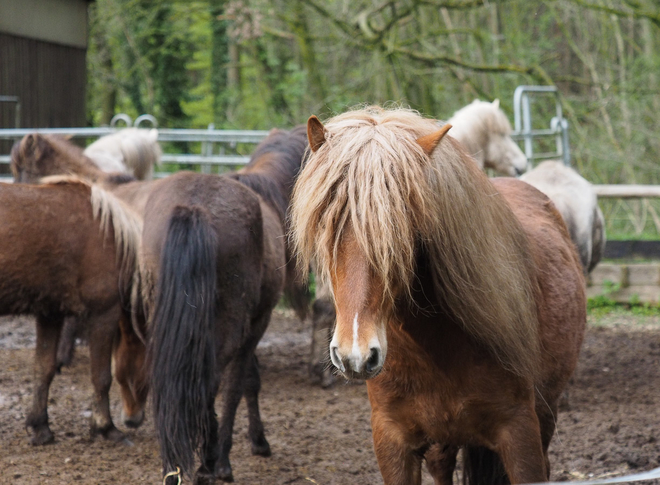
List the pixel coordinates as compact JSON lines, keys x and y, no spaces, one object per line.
{"x":636,"y":10}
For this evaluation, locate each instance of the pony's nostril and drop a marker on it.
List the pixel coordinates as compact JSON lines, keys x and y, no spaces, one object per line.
{"x":334,"y":356}
{"x":374,"y":360}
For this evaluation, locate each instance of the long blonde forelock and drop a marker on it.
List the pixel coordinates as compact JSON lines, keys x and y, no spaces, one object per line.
{"x":360,"y":167}
{"x":371,"y":174}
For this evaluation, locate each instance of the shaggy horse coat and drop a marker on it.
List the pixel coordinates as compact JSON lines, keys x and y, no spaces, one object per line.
{"x":460,"y":300}
{"x":214,"y":254}
{"x":70,"y":250}
{"x":577,"y":203}
{"x":37,"y":156}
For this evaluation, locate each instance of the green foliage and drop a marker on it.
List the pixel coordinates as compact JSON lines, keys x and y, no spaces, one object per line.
{"x":256,"y":64}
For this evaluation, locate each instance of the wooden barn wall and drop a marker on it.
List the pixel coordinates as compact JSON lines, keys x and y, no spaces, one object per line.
{"x":49,"y":79}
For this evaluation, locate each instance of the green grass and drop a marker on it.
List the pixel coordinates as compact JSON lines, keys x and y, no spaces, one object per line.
{"x":603,"y":305}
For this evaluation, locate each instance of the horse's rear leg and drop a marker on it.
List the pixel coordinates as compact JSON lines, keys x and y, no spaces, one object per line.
{"x":102,"y":332}
{"x":210,"y":449}
{"x":67,"y":345}
{"x":48,"y":335}
{"x":232,"y":392}
{"x":441,"y":462}
{"x":256,"y":433}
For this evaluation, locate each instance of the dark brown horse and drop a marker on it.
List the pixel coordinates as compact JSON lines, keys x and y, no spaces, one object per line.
{"x":461,"y":300}
{"x":70,"y":250}
{"x":215,"y":255}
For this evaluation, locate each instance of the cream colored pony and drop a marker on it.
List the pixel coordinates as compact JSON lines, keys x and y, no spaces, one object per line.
{"x":131,"y":150}
{"x":485,"y":132}
{"x":577,"y":202}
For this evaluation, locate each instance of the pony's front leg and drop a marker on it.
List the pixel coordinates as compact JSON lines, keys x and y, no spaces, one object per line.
{"x":102,"y":331}
{"x":520,"y":449}
{"x":441,"y":462}
{"x":48,"y":335}
{"x":399,"y":462}
{"x":67,"y":344}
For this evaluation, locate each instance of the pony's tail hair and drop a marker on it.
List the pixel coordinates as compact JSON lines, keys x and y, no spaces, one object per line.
{"x":482,"y":466}
{"x":182,"y":344}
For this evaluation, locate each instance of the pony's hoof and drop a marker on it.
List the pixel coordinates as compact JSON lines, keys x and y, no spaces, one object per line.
{"x":42,"y":436}
{"x":203,"y":479}
{"x":261,"y":448}
{"x":111,"y":434}
{"x":115,"y":435}
{"x":134,"y":421}
{"x":225,"y":474}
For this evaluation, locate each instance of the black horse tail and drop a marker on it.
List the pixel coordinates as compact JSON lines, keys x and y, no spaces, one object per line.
{"x":482,"y":466}
{"x":182,"y":343}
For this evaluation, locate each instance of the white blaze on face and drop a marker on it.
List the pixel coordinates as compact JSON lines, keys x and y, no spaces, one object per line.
{"x":353,"y":354}
{"x":356,"y":348}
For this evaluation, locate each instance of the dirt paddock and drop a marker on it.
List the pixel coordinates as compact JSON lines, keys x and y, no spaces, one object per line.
{"x":322,"y":436}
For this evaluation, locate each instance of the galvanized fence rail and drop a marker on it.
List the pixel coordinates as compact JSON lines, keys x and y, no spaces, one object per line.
{"x":217,"y":147}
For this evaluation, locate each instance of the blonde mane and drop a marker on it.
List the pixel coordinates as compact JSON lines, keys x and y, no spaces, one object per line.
{"x":373,"y":178}
{"x":126,"y":226}
{"x":474,"y":124}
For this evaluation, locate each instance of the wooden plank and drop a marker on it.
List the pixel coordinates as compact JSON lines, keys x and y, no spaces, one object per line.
{"x":627,"y":191}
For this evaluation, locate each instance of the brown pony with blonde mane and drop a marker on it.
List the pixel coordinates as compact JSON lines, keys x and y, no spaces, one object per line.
{"x":460,"y":299}
{"x":38,"y":156}
{"x":70,"y":249}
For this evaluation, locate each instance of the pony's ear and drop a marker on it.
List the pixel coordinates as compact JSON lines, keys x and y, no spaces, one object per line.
{"x":34,"y":144}
{"x":315,"y":133}
{"x":496,"y":102}
{"x":429,"y":142}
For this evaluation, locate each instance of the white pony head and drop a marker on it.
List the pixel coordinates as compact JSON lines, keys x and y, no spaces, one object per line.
{"x":132,"y":150}
{"x":485,"y":131}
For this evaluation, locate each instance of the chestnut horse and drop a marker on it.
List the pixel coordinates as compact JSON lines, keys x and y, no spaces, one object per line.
{"x":37,"y":156}
{"x":70,"y":250}
{"x":216,"y":262}
{"x":460,"y":300}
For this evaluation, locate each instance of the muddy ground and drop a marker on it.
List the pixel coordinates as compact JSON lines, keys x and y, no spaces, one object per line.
{"x":322,"y":436}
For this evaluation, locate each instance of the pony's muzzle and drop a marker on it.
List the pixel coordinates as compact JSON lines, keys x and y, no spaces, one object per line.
{"x":356,"y":365}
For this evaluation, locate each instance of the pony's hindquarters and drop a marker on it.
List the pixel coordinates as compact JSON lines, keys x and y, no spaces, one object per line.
{"x":182,"y":343}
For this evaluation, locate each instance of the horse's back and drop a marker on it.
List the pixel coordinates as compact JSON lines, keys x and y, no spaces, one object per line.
{"x":561,"y":299}
{"x":575,"y":199}
{"x":54,"y":247}
{"x":232,"y":210}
